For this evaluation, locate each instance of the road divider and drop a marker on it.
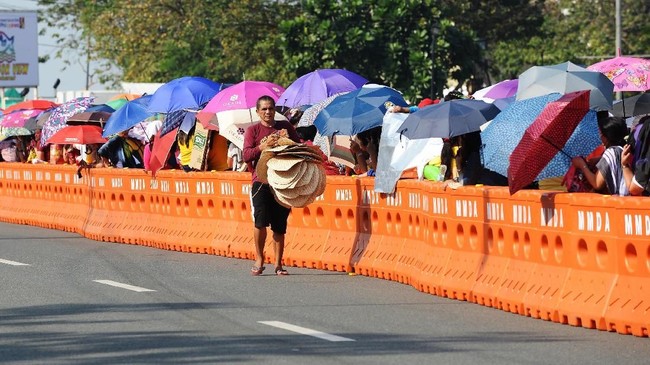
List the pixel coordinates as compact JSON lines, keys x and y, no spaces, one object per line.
{"x":578,"y":259}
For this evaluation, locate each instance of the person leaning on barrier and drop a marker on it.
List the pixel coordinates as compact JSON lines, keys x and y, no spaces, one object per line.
{"x":608,"y":179}
{"x":121,"y":151}
{"x":636,"y":159}
{"x":266,"y":210}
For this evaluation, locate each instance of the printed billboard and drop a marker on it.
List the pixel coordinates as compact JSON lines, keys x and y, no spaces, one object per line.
{"x":18,"y":49}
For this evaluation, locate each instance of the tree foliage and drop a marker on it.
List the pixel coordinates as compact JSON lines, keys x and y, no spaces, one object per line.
{"x":388,"y":41}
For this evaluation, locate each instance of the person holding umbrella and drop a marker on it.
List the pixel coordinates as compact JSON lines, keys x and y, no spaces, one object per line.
{"x":609,"y":178}
{"x":266,"y":210}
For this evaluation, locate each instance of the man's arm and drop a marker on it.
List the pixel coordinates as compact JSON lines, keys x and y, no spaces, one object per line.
{"x":251,"y":151}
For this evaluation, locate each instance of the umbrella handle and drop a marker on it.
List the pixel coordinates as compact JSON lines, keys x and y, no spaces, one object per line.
{"x":401,"y":133}
{"x":555,"y":146}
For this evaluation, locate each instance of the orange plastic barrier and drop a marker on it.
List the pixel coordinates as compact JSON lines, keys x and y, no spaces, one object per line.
{"x":578,"y":259}
{"x":627,"y":310}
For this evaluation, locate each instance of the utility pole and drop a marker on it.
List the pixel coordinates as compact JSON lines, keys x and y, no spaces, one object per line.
{"x":435,"y":30}
{"x":619,"y":95}
{"x":618,"y":28}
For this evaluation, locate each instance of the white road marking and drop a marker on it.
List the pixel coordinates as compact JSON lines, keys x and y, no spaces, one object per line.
{"x":123,"y":286}
{"x":14,"y":263}
{"x":305,"y":331}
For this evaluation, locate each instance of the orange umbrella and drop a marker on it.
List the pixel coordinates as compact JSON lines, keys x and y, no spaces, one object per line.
{"x":37,"y":104}
{"x":126,"y":96}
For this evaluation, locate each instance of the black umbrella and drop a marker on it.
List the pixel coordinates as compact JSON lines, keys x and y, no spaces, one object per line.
{"x":630,"y":107}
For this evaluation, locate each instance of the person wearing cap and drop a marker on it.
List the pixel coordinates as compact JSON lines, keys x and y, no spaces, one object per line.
{"x":266,"y":210}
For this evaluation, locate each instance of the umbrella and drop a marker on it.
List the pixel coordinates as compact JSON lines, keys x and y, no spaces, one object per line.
{"x":545,"y":137}
{"x":101,"y":108}
{"x":18,"y":118}
{"x":78,"y":134}
{"x":59,"y":115}
{"x":235,"y":108}
{"x":315,"y":86}
{"x":126,"y":96}
{"x":117,"y":103}
{"x":506,"y":130}
{"x":339,"y":151}
{"x":627,"y":73}
{"x":448,"y":119}
{"x":88,"y":117}
{"x":189,"y":92}
{"x":358,"y":110}
{"x":242,"y":96}
{"x":172,"y":121}
{"x":564,"y":78}
{"x":503,"y":89}
{"x":161,"y":147}
{"x":38,"y":104}
{"x":6,"y":132}
{"x":129,"y":115}
{"x":42,"y":118}
{"x":633,"y":106}
{"x":310,"y":114}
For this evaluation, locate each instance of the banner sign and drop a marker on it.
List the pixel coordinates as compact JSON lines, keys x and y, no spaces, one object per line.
{"x":18,"y":49}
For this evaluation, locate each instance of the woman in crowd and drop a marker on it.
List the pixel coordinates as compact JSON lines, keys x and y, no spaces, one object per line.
{"x":608,"y":179}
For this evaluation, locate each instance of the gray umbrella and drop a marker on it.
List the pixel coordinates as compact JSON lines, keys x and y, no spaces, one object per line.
{"x":636,"y":105}
{"x":564,"y":78}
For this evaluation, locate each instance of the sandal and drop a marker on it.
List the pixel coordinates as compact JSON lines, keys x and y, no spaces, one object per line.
{"x":257,"y":271}
{"x":280,"y":271}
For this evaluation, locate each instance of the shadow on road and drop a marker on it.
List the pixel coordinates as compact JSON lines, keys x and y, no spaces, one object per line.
{"x":35,"y":335}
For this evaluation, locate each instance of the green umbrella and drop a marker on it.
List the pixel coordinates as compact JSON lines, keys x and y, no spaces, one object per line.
{"x":117,"y":103}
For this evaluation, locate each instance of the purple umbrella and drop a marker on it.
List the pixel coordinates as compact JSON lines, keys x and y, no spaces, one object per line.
{"x":59,"y":115}
{"x":316,"y":86}
{"x":503,"y":89}
{"x":188,"y":92}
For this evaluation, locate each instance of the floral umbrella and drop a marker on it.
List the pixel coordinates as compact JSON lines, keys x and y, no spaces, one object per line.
{"x":18,"y":118}
{"x":61,"y":113}
{"x":311,"y":113}
{"x":627,"y":73}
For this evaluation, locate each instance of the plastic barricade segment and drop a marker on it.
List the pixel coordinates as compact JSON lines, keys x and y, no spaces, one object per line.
{"x":628,"y":309}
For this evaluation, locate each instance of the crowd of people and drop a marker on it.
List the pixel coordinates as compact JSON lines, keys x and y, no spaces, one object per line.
{"x":619,"y":167}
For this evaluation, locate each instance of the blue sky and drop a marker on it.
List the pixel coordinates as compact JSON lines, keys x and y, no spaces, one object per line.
{"x":72,"y":78}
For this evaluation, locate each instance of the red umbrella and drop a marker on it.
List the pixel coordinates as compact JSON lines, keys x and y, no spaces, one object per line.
{"x":547,"y":135}
{"x":161,"y":147}
{"x":37,"y":104}
{"x":78,"y":134}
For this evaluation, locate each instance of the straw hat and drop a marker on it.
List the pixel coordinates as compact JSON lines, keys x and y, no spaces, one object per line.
{"x":284,"y":163}
{"x":301,"y":200}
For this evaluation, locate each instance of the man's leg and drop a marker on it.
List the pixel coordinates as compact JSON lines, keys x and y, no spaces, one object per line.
{"x":278,"y":245}
{"x":260,"y":239}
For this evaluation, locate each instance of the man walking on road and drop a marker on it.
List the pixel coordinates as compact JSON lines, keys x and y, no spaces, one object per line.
{"x":266,"y":210}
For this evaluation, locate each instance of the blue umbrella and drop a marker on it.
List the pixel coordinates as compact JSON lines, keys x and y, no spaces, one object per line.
{"x":128,"y":115}
{"x":506,"y":130}
{"x":101,"y":108}
{"x":188,"y":92}
{"x":357,"y":111}
{"x":448,"y":119}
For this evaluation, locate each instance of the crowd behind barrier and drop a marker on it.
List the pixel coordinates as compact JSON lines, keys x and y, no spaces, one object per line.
{"x":573,"y":258}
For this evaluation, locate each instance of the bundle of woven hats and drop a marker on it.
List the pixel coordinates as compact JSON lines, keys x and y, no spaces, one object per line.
{"x":294,"y":172}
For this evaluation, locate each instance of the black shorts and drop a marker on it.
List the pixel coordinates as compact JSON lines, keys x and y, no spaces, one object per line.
{"x":266,"y":210}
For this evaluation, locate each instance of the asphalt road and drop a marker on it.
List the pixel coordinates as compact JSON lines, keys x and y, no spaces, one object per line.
{"x":59,"y":308}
